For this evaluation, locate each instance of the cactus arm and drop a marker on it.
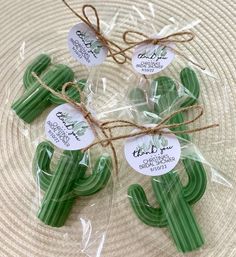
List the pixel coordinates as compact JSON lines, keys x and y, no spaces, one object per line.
{"x":41,"y":165}
{"x":197,"y":179}
{"x":190,"y":82}
{"x":38,"y":65}
{"x":59,"y":198}
{"x":72,"y":92}
{"x":95,"y":182}
{"x":181,"y":221}
{"x":145,"y":212}
{"x":36,"y":99}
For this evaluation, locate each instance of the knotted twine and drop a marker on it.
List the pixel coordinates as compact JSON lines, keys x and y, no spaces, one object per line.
{"x":103,"y":130}
{"x":115,"y":50}
{"x":166,"y":41}
{"x":112,"y":47}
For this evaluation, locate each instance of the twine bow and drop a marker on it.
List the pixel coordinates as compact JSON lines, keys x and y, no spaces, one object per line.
{"x":115,"y":50}
{"x":166,"y":41}
{"x":103,"y":130}
{"x":172,"y":38}
{"x":112,"y":47}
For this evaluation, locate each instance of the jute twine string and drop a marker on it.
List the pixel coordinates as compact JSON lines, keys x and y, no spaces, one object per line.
{"x":103,"y":130}
{"x":178,"y":37}
{"x":112,"y":47}
{"x":166,"y":41}
{"x":115,"y":50}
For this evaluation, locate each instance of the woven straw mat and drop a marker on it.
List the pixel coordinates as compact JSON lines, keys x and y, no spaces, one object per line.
{"x":28,"y":28}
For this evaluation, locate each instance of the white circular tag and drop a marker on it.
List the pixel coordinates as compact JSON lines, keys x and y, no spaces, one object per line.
{"x":153,"y":155}
{"x":149,"y":59}
{"x":85,"y":47}
{"x":67,"y":129}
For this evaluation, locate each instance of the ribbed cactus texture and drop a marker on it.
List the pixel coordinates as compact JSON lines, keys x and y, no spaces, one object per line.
{"x":36,"y":98}
{"x":67,"y":182}
{"x":190,"y":81}
{"x":174,"y":199}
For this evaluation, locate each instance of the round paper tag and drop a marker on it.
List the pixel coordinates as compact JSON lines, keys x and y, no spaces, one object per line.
{"x":153,"y":155}
{"x":85,"y":47}
{"x":149,"y":59}
{"x":67,"y":129}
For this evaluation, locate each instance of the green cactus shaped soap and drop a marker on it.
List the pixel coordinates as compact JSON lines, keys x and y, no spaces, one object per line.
{"x":174,"y":199}
{"x":36,"y":98}
{"x":67,"y":182}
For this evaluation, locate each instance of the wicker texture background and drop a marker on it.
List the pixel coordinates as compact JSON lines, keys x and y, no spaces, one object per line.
{"x":30,"y":27}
